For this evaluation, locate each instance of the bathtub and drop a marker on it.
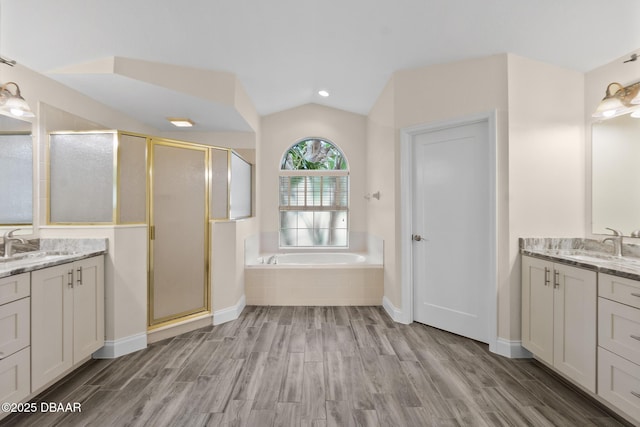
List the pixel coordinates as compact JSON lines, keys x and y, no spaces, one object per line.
{"x":315,"y":259}
{"x":314,"y":278}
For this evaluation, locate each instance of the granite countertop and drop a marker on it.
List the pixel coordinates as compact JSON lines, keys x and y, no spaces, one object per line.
{"x":50,"y":252}
{"x":585,"y":253}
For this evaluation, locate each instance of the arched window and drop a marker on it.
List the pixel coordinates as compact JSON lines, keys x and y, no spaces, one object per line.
{"x":314,"y":195}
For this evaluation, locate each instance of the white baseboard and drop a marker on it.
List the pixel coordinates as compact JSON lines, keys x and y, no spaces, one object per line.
{"x":392,"y":311}
{"x":122,"y":346}
{"x":230,"y":313}
{"x":511,"y":349}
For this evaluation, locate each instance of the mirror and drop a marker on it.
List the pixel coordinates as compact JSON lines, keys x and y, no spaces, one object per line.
{"x":16,"y":175}
{"x":616,"y":175}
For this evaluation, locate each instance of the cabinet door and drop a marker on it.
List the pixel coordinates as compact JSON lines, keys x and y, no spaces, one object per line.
{"x":619,"y":382}
{"x":619,"y":329}
{"x":88,"y":307}
{"x":619,"y":289}
{"x":14,"y":287}
{"x":51,"y":324}
{"x":574,"y":347}
{"x":14,"y":326}
{"x":14,"y":377}
{"x":537,"y":307}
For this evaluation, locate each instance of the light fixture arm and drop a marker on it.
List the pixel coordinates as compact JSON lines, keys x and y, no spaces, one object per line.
{"x":609,"y":93}
{"x":4,"y":88}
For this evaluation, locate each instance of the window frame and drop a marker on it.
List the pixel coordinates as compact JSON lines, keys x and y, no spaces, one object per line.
{"x":314,"y":172}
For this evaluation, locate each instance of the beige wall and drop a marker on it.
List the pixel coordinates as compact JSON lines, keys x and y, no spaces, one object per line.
{"x":281,"y":130}
{"x":546,"y":166}
{"x":382,"y":167}
{"x":546,"y":104}
{"x":227,"y":261}
{"x":595,"y":85}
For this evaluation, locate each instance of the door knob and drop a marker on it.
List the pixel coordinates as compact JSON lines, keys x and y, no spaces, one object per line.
{"x":416,"y":237}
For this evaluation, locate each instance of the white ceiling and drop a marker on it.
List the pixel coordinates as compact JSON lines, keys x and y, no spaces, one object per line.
{"x":284,"y":51}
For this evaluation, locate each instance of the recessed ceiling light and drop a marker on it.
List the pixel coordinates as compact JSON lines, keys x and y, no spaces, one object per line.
{"x":323,"y":93}
{"x":180,"y":122}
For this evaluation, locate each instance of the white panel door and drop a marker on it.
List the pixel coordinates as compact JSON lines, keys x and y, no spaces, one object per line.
{"x":453,"y":214}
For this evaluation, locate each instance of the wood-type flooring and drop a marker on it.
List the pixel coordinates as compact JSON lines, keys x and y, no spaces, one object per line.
{"x":315,"y":367}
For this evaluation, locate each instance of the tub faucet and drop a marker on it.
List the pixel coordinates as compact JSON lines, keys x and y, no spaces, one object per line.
{"x":616,"y":239}
{"x":273,"y":259}
{"x":9,"y":240}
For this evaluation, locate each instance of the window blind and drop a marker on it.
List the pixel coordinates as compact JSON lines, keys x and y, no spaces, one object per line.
{"x":314,"y":193}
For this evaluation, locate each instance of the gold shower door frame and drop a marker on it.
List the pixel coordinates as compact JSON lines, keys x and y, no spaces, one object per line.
{"x":180,"y":257}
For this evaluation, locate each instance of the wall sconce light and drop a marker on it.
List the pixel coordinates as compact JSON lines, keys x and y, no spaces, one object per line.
{"x":14,"y":103}
{"x":625,"y":100}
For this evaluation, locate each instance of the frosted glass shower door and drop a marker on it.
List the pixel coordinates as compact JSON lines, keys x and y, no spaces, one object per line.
{"x":179,"y":233}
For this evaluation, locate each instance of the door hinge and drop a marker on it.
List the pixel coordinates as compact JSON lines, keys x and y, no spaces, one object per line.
{"x":152,"y":232}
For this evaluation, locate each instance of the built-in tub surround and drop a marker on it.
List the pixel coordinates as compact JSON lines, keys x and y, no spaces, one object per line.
{"x":314,"y":276}
{"x":315,"y":260}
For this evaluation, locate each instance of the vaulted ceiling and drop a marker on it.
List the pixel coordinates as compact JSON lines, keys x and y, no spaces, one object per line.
{"x":283,"y":51}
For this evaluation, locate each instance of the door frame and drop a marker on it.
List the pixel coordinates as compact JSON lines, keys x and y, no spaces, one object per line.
{"x":406,"y":215}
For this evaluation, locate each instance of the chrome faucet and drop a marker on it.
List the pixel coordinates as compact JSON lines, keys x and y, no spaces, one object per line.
{"x":9,"y":240}
{"x":273,"y":259}
{"x":616,"y":239}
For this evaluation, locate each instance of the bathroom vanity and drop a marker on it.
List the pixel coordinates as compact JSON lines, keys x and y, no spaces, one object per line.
{"x":51,"y":314}
{"x":581,"y":317}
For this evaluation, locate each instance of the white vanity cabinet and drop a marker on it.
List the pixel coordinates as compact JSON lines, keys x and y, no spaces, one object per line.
{"x":67,"y":318}
{"x":14,"y":338}
{"x":619,"y":342}
{"x":559,"y":317}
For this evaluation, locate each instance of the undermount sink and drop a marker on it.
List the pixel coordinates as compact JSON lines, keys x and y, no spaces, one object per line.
{"x":581,"y":257}
{"x":603,"y":259}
